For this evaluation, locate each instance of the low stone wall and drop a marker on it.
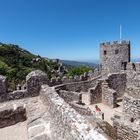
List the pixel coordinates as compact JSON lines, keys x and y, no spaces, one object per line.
{"x":69,"y":96}
{"x":108,"y":129}
{"x":81,"y":109}
{"x":67,"y":124}
{"x":109,"y":96}
{"x":10,"y":115}
{"x":131,"y":106}
{"x":125,"y":129}
{"x":117,"y":82}
{"x":96,"y":94}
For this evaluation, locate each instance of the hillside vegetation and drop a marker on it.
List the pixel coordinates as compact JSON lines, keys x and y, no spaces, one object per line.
{"x":16,"y":63}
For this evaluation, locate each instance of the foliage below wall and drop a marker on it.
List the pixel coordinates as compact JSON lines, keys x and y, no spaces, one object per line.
{"x":78,"y":70}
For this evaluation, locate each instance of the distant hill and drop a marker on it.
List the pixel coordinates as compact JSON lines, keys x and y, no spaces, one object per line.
{"x":69,"y":63}
{"x":16,"y":63}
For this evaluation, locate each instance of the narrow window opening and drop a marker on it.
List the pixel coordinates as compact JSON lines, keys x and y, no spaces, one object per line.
{"x":124,"y":64}
{"x":134,"y":67}
{"x":116,"y":51}
{"x":105,"y":52}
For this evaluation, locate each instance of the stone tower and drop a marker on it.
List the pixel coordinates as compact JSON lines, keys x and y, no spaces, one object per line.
{"x":114,"y":57}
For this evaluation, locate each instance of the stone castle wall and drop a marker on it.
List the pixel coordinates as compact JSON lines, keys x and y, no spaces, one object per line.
{"x":117,"y":82}
{"x":86,"y":76}
{"x":83,"y":110}
{"x":113,"y":87}
{"x":34,"y":80}
{"x":109,"y":96}
{"x":96,"y":94}
{"x":37,"y":78}
{"x":131,"y":106}
{"x":73,"y":127}
{"x":125,"y":129}
{"x":81,"y":86}
{"x":69,"y":96}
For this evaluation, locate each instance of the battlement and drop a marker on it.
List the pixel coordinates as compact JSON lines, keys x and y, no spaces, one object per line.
{"x":86,"y":76}
{"x":114,"y":43}
{"x":33,"y":82}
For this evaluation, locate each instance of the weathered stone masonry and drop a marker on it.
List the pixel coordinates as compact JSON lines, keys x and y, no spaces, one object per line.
{"x":59,"y":109}
{"x":70,"y":124}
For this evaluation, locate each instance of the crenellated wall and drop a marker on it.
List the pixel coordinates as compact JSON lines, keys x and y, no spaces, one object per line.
{"x":34,"y":80}
{"x":37,"y":78}
{"x":81,"y":86}
{"x":86,"y":76}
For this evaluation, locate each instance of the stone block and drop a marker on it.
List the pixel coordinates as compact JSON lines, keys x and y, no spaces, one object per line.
{"x":34,"y":81}
{"x":3,"y":85}
{"x":11,"y":115}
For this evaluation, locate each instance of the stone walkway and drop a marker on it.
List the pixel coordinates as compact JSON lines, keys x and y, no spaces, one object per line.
{"x":14,"y":132}
{"x":38,"y":122}
{"x":37,"y":125}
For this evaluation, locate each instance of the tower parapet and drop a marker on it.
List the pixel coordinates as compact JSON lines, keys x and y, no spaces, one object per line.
{"x":114,"y":56}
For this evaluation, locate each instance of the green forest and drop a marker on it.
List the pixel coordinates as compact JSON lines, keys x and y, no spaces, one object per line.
{"x":16,"y":63}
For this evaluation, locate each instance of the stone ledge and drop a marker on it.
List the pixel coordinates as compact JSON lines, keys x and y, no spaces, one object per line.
{"x":12,"y":114}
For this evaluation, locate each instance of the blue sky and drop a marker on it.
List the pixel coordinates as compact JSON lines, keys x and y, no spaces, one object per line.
{"x":69,"y":29}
